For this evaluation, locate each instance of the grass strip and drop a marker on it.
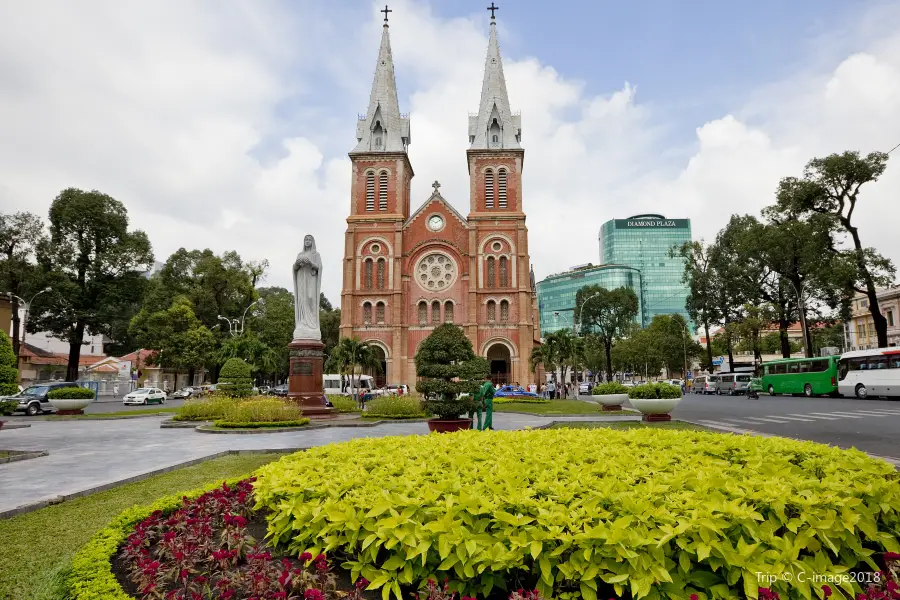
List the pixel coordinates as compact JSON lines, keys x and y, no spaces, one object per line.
{"x":37,"y":547}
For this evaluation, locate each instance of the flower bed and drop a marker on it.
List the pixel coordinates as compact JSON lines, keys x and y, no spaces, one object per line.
{"x":587,"y":513}
{"x":344,"y":404}
{"x":394,"y":407}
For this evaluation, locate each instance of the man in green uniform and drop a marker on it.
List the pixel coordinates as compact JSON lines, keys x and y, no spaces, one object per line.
{"x":487,"y":394}
{"x":476,"y":407}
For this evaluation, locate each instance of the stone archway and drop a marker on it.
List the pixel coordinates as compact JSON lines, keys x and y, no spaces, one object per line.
{"x":382,"y":374}
{"x":500,"y":360}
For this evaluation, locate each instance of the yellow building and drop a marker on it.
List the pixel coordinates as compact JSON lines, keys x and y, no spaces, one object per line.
{"x":861,"y":329}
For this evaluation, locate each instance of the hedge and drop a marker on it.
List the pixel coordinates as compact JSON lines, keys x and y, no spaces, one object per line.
{"x":605,"y":389}
{"x":344,"y":404}
{"x":71,"y":393}
{"x":235,"y":379}
{"x":579,"y":512}
{"x":523,"y":400}
{"x":9,"y":374}
{"x":91,"y":577}
{"x":258,"y":425}
{"x":394,"y":407}
{"x":655,"y":390}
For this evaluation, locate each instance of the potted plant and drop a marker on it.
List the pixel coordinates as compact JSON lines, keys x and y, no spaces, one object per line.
{"x":611,"y":395}
{"x":449,"y":375}
{"x":70,"y":400}
{"x":655,"y":400}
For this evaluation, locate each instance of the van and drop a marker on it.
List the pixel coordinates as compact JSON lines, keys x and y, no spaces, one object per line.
{"x":733,"y":383}
{"x":704,"y":384}
{"x":331,"y":384}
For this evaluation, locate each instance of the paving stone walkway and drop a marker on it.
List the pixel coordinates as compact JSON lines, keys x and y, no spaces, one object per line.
{"x":88,"y":454}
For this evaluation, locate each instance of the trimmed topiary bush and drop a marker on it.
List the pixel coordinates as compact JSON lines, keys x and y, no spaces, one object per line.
{"x":9,"y":374}
{"x":70,"y":393}
{"x":590,"y":513}
{"x":394,"y":407}
{"x":208,"y":409}
{"x":235,"y":379}
{"x":606,"y":389}
{"x":654,"y":390}
{"x":448,"y":367}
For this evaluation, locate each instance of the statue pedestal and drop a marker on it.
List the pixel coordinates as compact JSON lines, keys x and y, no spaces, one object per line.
{"x":305,"y":379}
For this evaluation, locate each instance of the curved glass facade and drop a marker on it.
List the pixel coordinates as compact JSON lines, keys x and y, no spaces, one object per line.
{"x":556,"y":294}
{"x":643,"y":243}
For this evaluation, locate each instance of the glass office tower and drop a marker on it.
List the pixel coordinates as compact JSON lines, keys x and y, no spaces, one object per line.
{"x":556,"y":294}
{"x":643,"y":242}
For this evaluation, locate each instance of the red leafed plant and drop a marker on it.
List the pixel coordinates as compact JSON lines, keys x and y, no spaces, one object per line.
{"x":886,"y":584}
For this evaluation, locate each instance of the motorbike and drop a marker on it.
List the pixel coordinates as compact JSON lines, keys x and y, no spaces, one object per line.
{"x":752,"y":394}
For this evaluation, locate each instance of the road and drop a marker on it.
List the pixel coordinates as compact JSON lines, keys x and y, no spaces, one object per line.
{"x":107,"y":404}
{"x":869,"y":425}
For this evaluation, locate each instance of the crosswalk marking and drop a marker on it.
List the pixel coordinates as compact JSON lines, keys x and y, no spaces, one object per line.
{"x":874,"y":413}
{"x":718,"y":424}
{"x":767,"y":419}
{"x":850,"y":415}
{"x":837,"y":415}
{"x":817,"y":416}
{"x":743,"y":421}
{"x":792,"y":418}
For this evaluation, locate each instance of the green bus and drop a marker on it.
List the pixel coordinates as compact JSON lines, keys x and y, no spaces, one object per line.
{"x":807,"y":376}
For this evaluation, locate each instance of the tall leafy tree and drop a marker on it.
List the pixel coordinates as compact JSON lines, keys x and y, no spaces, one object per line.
{"x":20,"y":235}
{"x":830,"y":187}
{"x":329,"y":324}
{"x":352,"y":356}
{"x":700,"y":275}
{"x":667,"y":337}
{"x":607,"y":313}
{"x":563,"y":349}
{"x":93,"y":264}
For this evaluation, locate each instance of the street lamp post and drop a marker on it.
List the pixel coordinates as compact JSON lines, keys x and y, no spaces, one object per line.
{"x":27,"y":306}
{"x":236,"y":326}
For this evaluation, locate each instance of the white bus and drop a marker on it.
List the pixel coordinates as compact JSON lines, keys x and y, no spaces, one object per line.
{"x":865,"y":373}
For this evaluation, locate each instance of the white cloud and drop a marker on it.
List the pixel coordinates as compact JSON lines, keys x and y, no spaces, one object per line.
{"x":167,"y":106}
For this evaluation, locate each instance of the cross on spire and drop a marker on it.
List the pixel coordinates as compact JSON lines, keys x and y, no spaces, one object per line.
{"x":492,"y":8}
{"x":387,"y":10}
{"x":436,"y":185}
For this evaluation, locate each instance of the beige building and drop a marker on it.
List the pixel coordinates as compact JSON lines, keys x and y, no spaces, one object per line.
{"x":861,"y":328}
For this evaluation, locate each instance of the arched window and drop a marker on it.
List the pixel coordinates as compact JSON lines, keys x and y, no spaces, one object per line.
{"x":382,"y":191}
{"x":489,"y":188}
{"x":504,"y":271}
{"x":448,"y":311}
{"x":436,"y":312}
{"x":504,"y":311}
{"x":491,"y":311}
{"x":382,"y":267}
{"x":367,"y":313}
{"x":501,"y":188}
{"x":367,"y":274}
{"x":423,"y":313}
{"x":490,"y":271}
{"x":379,"y":313}
{"x":370,"y":191}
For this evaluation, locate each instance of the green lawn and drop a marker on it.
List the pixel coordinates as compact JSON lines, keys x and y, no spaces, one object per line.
{"x":36,"y":547}
{"x":629,"y":425}
{"x":121,"y":413}
{"x":557,"y":407}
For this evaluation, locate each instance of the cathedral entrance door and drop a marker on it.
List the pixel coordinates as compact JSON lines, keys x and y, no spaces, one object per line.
{"x":499,"y":359}
{"x":380,"y":375}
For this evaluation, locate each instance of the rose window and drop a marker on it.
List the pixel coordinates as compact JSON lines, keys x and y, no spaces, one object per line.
{"x":435,"y":272}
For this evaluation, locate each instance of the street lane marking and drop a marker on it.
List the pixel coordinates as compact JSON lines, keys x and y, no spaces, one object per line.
{"x":821,"y":416}
{"x":791,"y":418}
{"x":718,"y":424}
{"x":767,"y":419}
{"x":875,"y":413}
{"x":842,"y":415}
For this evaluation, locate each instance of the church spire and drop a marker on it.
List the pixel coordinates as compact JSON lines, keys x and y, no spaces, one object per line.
{"x":383,"y":129}
{"x":495,"y":126}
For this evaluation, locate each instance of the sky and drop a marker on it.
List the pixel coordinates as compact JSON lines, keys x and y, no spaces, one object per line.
{"x":226,"y":125}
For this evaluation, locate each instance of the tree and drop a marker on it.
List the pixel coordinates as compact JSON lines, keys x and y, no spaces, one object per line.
{"x":447,"y":367}
{"x":20,"y":235}
{"x":594,"y":354}
{"x":9,"y":374}
{"x":349,"y":354}
{"x":607,"y":313}
{"x":561,"y":349}
{"x":235,"y":380}
{"x":756,"y":318}
{"x":181,"y":341}
{"x":273,"y":324}
{"x":93,"y":265}
{"x":700,"y":276}
{"x":668,"y":339}
{"x":830,"y":187}
{"x":329,"y":323}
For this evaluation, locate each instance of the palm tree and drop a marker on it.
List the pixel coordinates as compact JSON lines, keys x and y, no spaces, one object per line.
{"x":350,"y":353}
{"x":562,"y":349}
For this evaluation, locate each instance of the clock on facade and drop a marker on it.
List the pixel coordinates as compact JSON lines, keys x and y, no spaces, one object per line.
{"x":436,"y":223}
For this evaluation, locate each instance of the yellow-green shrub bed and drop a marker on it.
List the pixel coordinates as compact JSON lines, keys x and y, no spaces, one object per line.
{"x":654,"y":514}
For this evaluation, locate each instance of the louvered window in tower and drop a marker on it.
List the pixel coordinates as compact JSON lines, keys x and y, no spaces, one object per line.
{"x":504,"y":271}
{"x":370,"y":191}
{"x":501,"y":188}
{"x":379,"y":313}
{"x":489,"y":189}
{"x":367,"y":275}
{"x":448,"y":312}
{"x":423,"y":313}
{"x":382,"y":191}
{"x":436,"y":312}
{"x":491,"y":311}
{"x":367,"y":313}
{"x":490,"y":271}
{"x":504,"y":311}
{"x":382,"y":264}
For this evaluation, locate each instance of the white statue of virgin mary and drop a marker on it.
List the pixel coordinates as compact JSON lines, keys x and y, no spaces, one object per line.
{"x":307,"y":285}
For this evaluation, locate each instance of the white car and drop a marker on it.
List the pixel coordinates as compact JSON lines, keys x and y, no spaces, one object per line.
{"x":145,"y":396}
{"x":584,"y":388}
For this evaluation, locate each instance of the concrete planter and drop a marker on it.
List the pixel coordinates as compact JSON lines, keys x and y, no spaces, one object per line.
{"x":70,"y":406}
{"x":448,"y":425}
{"x":655,"y":409}
{"x":610,"y":401}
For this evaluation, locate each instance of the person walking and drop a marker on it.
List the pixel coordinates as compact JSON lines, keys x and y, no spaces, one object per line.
{"x":487,"y":398}
{"x":551,"y":390}
{"x":477,"y":405}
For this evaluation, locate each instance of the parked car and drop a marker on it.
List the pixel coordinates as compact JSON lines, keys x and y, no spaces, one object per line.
{"x":512,"y":391}
{"x":145,"y":396}
{"x":584,"y":388}
{"x":34,"y":400}
{"x":185,"y":392}
{"x":280,"y":390}
{"x":264,"y":389}
{"x":393,"y":390}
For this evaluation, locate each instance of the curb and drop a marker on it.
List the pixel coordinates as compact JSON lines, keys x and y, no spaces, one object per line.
{"x":18,"y":455}
{"x":209,"y":428}
{"x":26,"y":508}
{"x":10,"y":425}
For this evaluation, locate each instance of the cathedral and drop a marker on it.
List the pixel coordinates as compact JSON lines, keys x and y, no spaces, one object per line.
{"x":408,"y":270}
